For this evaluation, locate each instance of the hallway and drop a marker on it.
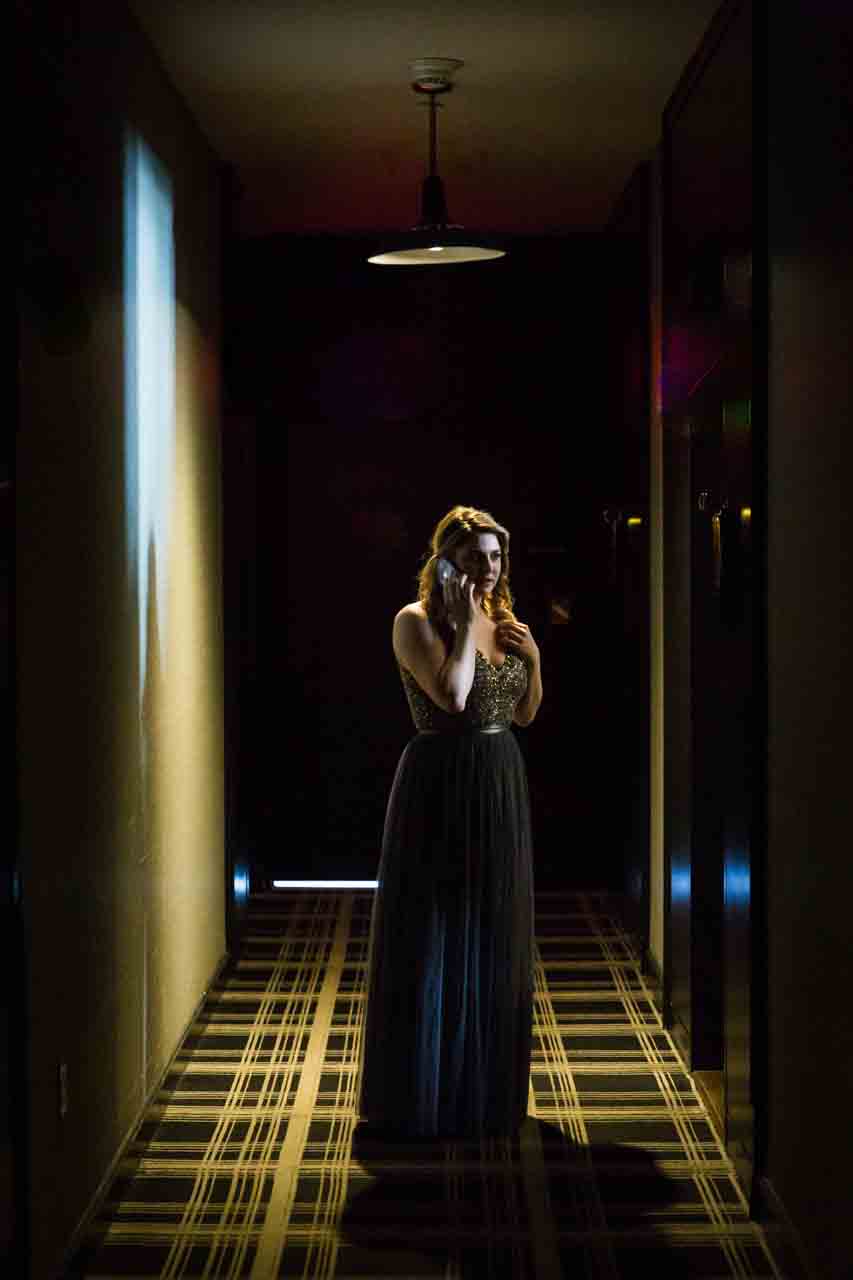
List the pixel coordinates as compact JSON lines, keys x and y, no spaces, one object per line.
{"x":232,"y":435}
{"x":249,"y":1162}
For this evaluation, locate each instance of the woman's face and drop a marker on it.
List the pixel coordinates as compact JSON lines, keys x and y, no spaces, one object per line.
{"x":480,"y":557}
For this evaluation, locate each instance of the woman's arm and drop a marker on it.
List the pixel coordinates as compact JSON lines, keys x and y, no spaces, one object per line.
{"x":445,"y":678}
{"x":528,"y":703}
{"x":457,"y":673}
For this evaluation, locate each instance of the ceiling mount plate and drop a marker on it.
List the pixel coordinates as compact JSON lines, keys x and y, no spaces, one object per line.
{"x":434,"y":75}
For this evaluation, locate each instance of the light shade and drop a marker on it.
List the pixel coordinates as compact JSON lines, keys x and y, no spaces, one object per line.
{"x":435,"y":250}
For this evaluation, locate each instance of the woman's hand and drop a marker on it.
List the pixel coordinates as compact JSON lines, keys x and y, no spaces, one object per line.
{"x":459,"y":600}
{"x":516,"y":637}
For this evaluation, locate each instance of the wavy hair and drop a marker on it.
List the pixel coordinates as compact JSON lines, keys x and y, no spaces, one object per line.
{"x":452,"y":530}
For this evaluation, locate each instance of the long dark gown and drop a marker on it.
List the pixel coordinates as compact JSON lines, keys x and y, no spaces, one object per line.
{"x":446,"y":1038}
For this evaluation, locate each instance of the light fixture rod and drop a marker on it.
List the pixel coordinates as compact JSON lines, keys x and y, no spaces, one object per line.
{"x":433,"y":142}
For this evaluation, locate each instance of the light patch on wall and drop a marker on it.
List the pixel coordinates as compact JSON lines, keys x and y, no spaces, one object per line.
{"x":149,"y":333}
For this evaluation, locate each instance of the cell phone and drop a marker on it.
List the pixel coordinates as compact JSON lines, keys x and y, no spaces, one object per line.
{"x":445,"y":570}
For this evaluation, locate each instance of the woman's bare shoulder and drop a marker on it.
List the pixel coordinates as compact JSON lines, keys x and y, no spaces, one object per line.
{"x":413,"y":620}
{"x":414,"y":636}
{"x":415,"y":609}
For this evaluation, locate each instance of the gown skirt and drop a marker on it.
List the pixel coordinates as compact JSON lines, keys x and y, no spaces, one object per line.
{"x":447,"y":1029}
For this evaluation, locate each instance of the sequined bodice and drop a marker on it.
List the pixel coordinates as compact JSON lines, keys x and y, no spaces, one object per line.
{"x":492,"y":699}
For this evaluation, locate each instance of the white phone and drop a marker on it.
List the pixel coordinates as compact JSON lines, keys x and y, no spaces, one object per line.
{"x":445,"y":570}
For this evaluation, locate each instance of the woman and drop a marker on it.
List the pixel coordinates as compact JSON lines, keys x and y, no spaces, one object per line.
{"x":446,"y":1037}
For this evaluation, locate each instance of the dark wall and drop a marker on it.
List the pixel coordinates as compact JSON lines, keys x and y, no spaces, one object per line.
{"x":119,"y":845}
{"x":380,"y":398}
{"x":630,"y":543}
{"x":629,"y":222}
{"x":810,"y":831}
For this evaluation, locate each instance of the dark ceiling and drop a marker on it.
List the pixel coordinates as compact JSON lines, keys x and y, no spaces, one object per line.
{"x":554,"y":108}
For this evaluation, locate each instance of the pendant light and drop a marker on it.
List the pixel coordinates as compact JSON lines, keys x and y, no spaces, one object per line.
{"x":435,"y":241}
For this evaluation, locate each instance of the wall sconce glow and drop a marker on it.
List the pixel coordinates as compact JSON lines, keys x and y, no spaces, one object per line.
{"x":149,"y":380}
{"x":746,"y":514}
{"x":325,"y":884}
{"x":736,"y":878}
{"x":680,"y":884}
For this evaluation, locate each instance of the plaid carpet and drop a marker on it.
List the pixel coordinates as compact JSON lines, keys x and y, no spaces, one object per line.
{"x":250,"y":1162}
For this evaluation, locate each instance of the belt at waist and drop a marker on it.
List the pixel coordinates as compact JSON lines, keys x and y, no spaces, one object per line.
{"x":486,"y":728}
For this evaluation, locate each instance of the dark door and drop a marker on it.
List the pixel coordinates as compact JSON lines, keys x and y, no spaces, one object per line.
{"x":706,"y":808}
{"x":694,"y":725}
{"x":716,"y":736}
{"x":742,"y":739}
{"x":726,"y":735}
{"x":629,"y":716}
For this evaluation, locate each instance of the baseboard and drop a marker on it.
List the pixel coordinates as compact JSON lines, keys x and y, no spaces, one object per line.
{"x":82,"y":1228}
{"x":653,"y":978}
{"x":784,"y":1240}
{"x":651,"y":967}
{"x":710,"y":1086}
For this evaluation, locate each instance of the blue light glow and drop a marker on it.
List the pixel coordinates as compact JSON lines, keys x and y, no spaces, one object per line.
{"x":680,"y":883}
{"x":737,"y":877}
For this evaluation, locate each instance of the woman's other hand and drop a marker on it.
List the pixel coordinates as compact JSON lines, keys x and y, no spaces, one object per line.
{"x":516,"y":637}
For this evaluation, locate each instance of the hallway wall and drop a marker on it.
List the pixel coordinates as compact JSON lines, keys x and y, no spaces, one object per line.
{"x":120,"y":773}
{"x":809,"y":818}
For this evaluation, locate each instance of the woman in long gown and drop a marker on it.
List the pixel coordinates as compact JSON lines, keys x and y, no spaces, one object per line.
{"x":446,"y":1037}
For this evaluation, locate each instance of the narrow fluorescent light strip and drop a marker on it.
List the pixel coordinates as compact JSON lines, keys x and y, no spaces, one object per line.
{"x":325,"y":884}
